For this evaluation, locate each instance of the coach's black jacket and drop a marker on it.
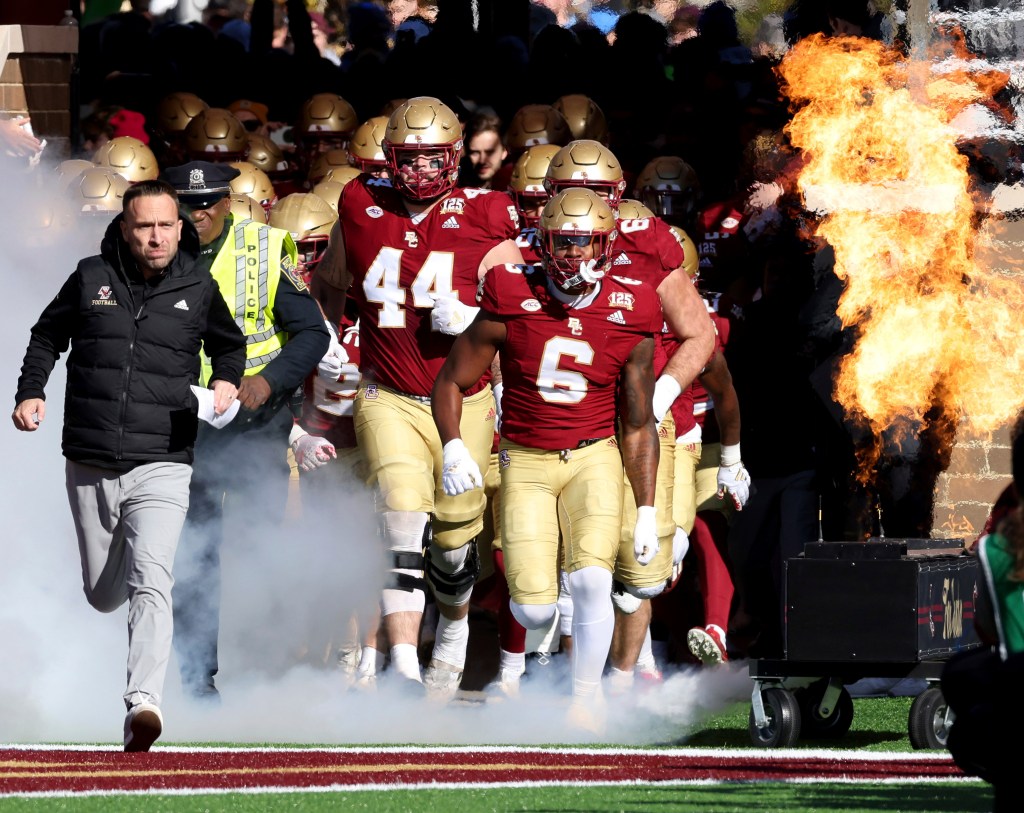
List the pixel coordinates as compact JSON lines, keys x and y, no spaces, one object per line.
{"x":134,"y":353}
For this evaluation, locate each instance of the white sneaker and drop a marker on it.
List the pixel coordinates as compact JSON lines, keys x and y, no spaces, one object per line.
{"x":441,"y":682}
{"x":505,"y":685}
{"x":348,"y":666}
{"x":365,"y":683}
{"x":142,"y":726}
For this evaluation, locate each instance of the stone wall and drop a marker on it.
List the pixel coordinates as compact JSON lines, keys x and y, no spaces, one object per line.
{"x":36,"y":79}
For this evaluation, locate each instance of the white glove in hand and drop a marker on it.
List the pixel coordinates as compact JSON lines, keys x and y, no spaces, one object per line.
{"x":590,"y":272}
{"x":459,"y":472}
{"x":666,"y":390}
{"x":449,"y":316}
{"x":680,"y":545}
{"x":734,"y":481}
{"x":311,"y":452}
{"x":336,"y":355}
{"x":645,"y":535}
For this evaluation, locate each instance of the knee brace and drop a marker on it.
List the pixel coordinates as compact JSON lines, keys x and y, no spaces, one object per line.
{"x":533,"y":616}
{"x":404,"y":534}
{"x":638,"y":594}
{"x":625,"y":603}
{"x":452,"y":573}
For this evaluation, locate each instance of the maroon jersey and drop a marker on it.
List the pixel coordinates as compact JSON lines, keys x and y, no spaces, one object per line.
{"x":527,"y":242}
{"x":560,"y":365}
{"x":398,"y":264}
{"x":723,"y":246}
{"x":646,"y":250}
{"x":327,"y":405}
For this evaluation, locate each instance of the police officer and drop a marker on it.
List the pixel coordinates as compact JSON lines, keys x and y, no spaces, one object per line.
{"x":245,"y":463}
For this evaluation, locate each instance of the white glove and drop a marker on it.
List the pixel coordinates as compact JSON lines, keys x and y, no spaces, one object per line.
{"x":459,"y":472}
{"x":733,"y":478}
{"x":497,"y":389}
{"x":590,"y":272}
{"x":312,"y":452}
{"x":645,"y":535}
{"x":680,"y":545}
{"x":666,"y":390}
{"x":336,"y":355}
{"x":449,"y":316}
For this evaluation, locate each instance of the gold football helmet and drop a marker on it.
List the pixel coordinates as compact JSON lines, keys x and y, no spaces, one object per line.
{"x":630,"y":209}
{"x":584,"y":117}
{"x":526,"y":185}
{"x":244,"y":207}
{"x":536,"y":124}
{"x":691,"y":260}
{"x":576,"y":222}
{"x":264,"y":153}
{"x":176,"y":110}
{"x":129,"y":158}
{"x":326,"y":115}
{"x":97,"y":191}
{"x":391,"y":107}
{"x":423,"y":125}
{"x":669,"y":186}
{"x":341,"y":175}
{"x":589,"y":164}
{"x":216,"y":135}
{"x":68,"y":170}
{"x":325,"y":162}
{"x":254,"y":182}
{"x":365,"y":150}
{"x":309,"y":219}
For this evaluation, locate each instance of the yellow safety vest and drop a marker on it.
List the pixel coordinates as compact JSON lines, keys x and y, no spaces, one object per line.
{"x":247,"y":270}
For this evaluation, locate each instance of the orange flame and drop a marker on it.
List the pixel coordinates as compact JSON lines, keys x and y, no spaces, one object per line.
{"x":882,"y":168}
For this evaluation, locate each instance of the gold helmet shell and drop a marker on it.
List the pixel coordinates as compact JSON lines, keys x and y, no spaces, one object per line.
{"x":583,"y":218}
{"x":326,"y":115}
{"x":325,"y":162}
{"x":526,"y":184}
{"x":691,"y":260}
{"x":245,"y":208}
{"x":630,"y":209}
{"x":216,"y":135}
{"x":309,"y":219}
{"x":264,"y":153}
{"x":254,"y":182}
{"x":129,"y":158}
{"x":670,"y":187}
{"x":68,"y":170}
{"x":391,"y":107}
{"x":329,"y":191}
{"x":423,"y":124}
{"x":341,"y":175}
{"x":584,"y":117}
{"x":97,"y":191}
{"x":365,"y":150}
{"x":535,"y":124}
{"x":589,"y":164}
{"x":176,"y":110}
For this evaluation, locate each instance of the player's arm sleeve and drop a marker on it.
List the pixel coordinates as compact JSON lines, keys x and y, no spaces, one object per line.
{"x":50,"y":337}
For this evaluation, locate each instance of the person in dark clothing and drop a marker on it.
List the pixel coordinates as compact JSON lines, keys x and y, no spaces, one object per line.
{"x":245,"y":463}
{"x":135,"y":317}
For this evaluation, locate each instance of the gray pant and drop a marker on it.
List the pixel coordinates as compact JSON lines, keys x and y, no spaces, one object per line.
{"x":128,"y":527}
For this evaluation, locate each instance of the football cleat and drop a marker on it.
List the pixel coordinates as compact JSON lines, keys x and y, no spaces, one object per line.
{"x":441,"y":683}
{"x":587,"y":717}
{"x":708,"y":644}
{"x":505,"y":685}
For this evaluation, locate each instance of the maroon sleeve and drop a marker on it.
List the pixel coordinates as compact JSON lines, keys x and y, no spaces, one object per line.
{"x":668,"y":248}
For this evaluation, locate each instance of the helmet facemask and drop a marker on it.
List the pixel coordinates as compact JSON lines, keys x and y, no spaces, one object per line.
{"x":429,"y":182}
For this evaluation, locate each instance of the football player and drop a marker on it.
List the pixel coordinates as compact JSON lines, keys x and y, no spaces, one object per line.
{"x":411,"y":250}
{"x":572,"y":337}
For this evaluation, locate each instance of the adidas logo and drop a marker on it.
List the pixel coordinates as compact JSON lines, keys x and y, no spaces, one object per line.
{"x":450,"y":223}
{"x":622,"y":259}
{"x":617,"y":318}
{"x":181,"y":305}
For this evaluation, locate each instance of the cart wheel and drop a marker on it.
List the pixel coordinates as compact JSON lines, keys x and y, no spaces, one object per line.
{"x":783,"y":713}
{"x":928,"y":726}
{"x":813,"y":725}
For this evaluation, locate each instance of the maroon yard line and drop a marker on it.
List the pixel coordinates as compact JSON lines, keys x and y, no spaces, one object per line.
{"x":27,"y":771}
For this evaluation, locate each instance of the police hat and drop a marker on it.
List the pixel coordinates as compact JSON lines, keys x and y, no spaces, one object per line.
{"x":200,"y":184}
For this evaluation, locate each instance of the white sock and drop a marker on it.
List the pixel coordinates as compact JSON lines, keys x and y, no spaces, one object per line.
{"x":406,"y":662}
{"x":645,"y":661}
{"x":451,"y":641}
{"x":592,"y":625}
{"x":371,"y":661}
{"x":514,"y":662}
